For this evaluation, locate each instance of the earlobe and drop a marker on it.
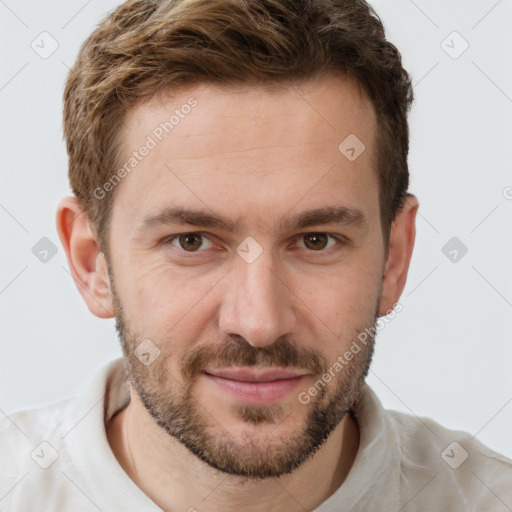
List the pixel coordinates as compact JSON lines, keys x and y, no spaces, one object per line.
{"x":86,"y":263}
{"x":401,"y":244}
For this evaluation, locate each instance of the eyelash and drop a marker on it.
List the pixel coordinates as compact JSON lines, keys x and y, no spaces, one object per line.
{"x":340,"y":241}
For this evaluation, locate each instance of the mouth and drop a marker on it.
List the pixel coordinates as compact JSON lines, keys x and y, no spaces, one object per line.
{"x":262,"y":386}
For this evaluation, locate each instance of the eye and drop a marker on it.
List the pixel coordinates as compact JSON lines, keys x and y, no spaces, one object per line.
{"x":190,"y":242}
{"x":318,"y":241}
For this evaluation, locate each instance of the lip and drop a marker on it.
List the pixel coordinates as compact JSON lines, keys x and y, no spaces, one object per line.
{"x":256,"y":387}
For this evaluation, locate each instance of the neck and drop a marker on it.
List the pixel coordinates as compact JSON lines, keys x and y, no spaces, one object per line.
{"x":175,"y":479}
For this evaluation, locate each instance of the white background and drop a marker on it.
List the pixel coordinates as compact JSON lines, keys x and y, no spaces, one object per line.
{"x":447,"y":355}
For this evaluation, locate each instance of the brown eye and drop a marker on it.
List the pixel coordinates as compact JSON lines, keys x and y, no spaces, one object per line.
{"x":316,"y":241}
{"x":190,"y":241}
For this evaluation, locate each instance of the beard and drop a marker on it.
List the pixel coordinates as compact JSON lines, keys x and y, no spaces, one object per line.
{"x":174,"y":407}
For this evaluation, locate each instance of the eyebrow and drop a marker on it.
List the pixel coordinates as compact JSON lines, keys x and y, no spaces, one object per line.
{"x":341,"y":215}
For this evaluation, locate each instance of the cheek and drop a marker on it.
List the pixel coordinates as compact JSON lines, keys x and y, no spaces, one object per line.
{"x":339,"y":303}
{"x":163,"y":300}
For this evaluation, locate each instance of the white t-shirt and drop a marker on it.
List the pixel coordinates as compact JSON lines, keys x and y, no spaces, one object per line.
{"x":58,"y":458}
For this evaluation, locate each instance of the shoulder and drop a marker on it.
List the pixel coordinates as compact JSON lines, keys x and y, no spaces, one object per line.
{"x":22,"y":433}
{"x":421,"y":436}
{"x":457,"y":463}
{"x":31,"y":454}
{"x":39,"y":448}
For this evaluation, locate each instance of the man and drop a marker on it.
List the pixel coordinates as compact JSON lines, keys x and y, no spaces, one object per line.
{"x":240,"y":206}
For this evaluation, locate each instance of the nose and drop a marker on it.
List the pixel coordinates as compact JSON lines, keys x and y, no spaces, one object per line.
{"x":257,"y":305}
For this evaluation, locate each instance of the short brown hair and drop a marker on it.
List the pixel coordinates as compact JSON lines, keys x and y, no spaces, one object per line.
{"x":145,"y":46}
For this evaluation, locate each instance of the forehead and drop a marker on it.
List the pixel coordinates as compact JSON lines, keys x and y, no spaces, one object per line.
{"x":223,"y":147}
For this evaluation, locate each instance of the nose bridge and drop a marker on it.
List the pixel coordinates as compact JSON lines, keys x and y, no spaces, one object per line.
{"x":259,"y":307}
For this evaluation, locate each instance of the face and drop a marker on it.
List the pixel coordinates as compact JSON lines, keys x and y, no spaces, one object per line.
{"x":246,"y":256}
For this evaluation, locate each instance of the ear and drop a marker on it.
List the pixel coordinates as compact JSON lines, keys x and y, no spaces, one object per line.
{"x":86,"y":263}
{"x":401,"y":243}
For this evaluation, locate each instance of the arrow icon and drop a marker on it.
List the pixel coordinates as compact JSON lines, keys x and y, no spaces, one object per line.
{"x":454,"y":455}
{"x":249,"y":249}
{"x":351,"y":147}
{"x":454,"y":45}
{"x":44,"y":455}
{"x":44,"y":250}
{"x":44,"y":45}
{"x":454,"y":249}
{"x":147,"y":352}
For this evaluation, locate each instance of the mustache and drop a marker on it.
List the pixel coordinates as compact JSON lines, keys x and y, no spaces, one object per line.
{"x":238,"y":352}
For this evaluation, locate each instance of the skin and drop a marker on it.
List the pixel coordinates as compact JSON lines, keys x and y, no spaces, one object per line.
{"x":254,"y":155}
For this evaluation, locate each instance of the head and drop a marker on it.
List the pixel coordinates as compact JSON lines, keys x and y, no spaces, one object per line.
{"x":240,"y":179}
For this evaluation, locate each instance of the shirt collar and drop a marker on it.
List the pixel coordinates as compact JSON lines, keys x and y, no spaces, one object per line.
{"x":375,"y":471}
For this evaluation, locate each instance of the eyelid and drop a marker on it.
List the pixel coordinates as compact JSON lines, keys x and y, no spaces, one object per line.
{"x":171,"y":238}
{"x":340,"y":239}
